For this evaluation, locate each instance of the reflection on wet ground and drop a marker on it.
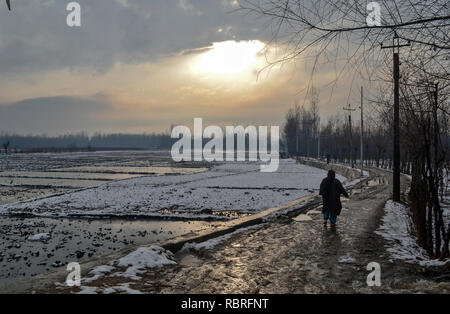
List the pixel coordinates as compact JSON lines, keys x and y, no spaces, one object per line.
{"x":224,"y":215}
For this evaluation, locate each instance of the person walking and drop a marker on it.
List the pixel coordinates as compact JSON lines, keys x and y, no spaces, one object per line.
{"x":331,"y":190}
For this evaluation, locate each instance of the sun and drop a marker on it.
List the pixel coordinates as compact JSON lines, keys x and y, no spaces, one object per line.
{"x":229,"y":58}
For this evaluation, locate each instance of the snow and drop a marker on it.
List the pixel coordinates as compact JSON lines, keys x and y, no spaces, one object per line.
{"x":88,"y":290}
{"x":143,"y":258}
{"x":134,"y":263}
{"x":39,"y":237}
{"x":403,"y":244}
{"x":125,"y":287}
{"x":346,"y":259}
{"x":302,"y":218}
{"x":209,"y":244}
{"x":109,"y":290}
{"x":352,"y":183}
{"x":98,"y":272}
{"x":357,"y":180}
{"x":237,"y":186}
{"x":28,"y":224}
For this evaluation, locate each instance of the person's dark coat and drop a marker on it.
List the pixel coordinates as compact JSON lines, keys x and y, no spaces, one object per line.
{"x":331,"y":190}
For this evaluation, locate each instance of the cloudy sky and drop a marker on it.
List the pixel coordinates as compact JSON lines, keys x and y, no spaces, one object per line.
{"x":144,"y":65}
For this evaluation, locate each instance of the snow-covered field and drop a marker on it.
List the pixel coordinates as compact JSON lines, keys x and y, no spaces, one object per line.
{"x":235,"y":187}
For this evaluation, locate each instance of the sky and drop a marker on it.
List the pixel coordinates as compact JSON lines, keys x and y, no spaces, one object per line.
{"x":145,"y":65}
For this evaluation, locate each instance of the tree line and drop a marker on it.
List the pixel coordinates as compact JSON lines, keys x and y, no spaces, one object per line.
{"x":82,"y":141}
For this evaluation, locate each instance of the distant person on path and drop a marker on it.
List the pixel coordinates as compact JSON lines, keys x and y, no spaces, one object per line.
{"x":331,"y":190}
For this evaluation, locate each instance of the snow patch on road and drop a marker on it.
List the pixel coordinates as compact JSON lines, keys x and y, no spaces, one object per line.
{"x":346,"y":259}
{"x":125,"y":287}
{"x":143,"y":258}
{"x":98,"y":272}
{"x":39,"y":237}
{"x":88,"y":290}
{"x":403,"y":245}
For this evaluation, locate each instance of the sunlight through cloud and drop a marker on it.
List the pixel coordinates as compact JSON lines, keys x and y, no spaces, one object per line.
{"x":229,"y":58}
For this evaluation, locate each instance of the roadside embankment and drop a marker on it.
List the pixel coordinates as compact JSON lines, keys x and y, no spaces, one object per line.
{"x":346,"y":171}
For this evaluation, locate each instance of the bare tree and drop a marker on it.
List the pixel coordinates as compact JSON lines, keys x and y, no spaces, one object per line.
{"x":291,"y":129}
{"x":314,"y":108}
{"x":337,"y":32}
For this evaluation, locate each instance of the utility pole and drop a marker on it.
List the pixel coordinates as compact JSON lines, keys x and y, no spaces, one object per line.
{"x":436,"y":132}
{"x":350,"y":109}
{"x":318,"y":139}
{"x":362,"y":134}
{"x":396,"y":162}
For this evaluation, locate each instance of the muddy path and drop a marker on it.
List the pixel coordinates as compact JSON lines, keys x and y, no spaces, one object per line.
{"x":289,"y":256}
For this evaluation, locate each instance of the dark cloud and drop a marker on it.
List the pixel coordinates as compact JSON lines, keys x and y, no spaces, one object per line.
{"x":53,"y":115}
{"x":34,"y":36}
{"x":67,"y":114}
